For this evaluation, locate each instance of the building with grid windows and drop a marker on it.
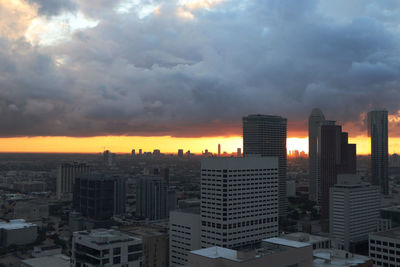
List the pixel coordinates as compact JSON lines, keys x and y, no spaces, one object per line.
{"x":384,"y":248}
{"x":239,"y":201}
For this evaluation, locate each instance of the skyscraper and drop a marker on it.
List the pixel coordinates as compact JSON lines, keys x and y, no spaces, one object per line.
{"x":314,"y":122}
{"x":66,"y":177}
{"x":265,"y":135}
{"x":219,"y":150}
{"x":152,"y":198}
{"x":239,"y":200}
{"x":378,"y":131}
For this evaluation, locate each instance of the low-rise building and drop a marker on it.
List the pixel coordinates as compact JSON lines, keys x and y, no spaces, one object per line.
{"x":46,"y":250}
{"x":277,"y":252}
{"x":384,"y":247}
{"x":17,"y":232}
{"x":317,"y":242}
{"x":335,"y":258}
{"x":54,"y":260}
{"x":106,"y":247}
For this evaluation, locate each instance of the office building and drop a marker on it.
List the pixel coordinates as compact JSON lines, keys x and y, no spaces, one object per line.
{"x":17,"y":232}
{"x":265,"y":136}
{"x":66,"y":178}
{"x":384,"y":247}
{"x":184,"y":235}
{"x":354,"y":211}
{"x":155,"y":244}
{"x":239,"y":200}
{"x":274,"y":252}
{"x":152,"y":198}
{"x":99,"y":196}
{"x":378,"y":131}
{"x":103,"y":247}
{"x":314,"y":122}
{"x":336,"y":156}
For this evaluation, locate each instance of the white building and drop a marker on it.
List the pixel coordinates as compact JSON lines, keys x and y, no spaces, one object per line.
{"x":354,"y":211}
{"x":66,"y":178}
{"x":239,"y":200}
{"x":184,"y":235}
{"x":106,"y":247}
{"x":384,"y":247}
{"x":17,"y":232}
{"x":342,"y":258}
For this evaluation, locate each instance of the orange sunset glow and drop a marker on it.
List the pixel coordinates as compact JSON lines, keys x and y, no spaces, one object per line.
{"x":167,"y":144}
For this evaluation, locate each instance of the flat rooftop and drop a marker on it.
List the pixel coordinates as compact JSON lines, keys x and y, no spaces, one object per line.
{"x":16,"y":224}
{"x":392,"y":233}
{"x":55,"y":260}
{"x":103,"y":236}
{"x":217,"y":252}
{"x":305,"y":237}
{"x":336,"y":258}
{"x":285,"y":242}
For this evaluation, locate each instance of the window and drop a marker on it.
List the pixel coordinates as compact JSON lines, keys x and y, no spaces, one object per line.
{"x":134,"y":257}
{"x":117,"y":251}
{"x":133,"y":248}
{"x":117,"y":260}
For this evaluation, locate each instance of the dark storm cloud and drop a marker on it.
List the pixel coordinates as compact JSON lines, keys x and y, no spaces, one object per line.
{"x":166,"y":75}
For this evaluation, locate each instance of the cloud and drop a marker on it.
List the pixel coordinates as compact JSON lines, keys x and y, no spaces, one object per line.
{"x":54,"y":7}
{"x":158,"y":73}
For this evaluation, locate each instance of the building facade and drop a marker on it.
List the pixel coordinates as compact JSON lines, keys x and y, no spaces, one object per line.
{"x":66,"y":178}
{"x":265,"y":136}
{"x":314,"y":121}
{"x":152,"y":198}
{"x":184,"y":235}
{"x":384,"y":247}
{"x":354,"y":211}
{"x":239,"y":200}
{"x":103,"y":247}
{"x":378,"y":131}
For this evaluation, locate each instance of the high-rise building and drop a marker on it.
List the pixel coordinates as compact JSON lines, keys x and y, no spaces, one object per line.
{"x":99,"y":196}
{"x":133,"y":152}
{"x":180,"y":153}
{"x":354,"y":211}
{"x":184,"y":235}
{"x":239,"y":200}
{"x":239,"y":152}
{"x":314,"y":122}
{"x":103,"y":247}
{"x":219,"y":150}
{"x":109,"y":158}
{"x":384,"y":247}
{"x":265,"y":135}
{"x":335,"y":156}
{"x":66,"y":178}
{"x":378,"y":131}
{"x":152,"y":198}
{"x":140,"y":152}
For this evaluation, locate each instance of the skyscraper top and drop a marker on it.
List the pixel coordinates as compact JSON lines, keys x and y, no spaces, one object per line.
{"x":316,"y":112}
{"x":260,"y":116}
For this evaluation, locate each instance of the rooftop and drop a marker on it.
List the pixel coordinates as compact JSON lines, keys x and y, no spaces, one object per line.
{"x":15,"y":224}
{"x":103,"y":236}
{"x":55,"y":260}
{"x":337,"y":258}
{"x":305,"y":237}
{"x":286,"y":242}
{"x":392,"y":233}
{"x":217,"y":252}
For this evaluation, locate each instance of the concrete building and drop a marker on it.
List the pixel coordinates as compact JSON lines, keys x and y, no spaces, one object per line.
{"x":314,"y":121}
{"x":17,"y":232}
{"x":103,"y":247}
{"x":392,"y":214}
{"x":317,"y":242}
{"x":152,"y":198}
{"x":30,"y":187}
{"x":155,"y":244}
{"x":184,"y":235}
{"x":99,"y":196}
{"x":265,"y":136}
{"x":378,"y":131}
{"x":354,"y":211}
{"x":239,"y":200}
{"x":384,"y":247}
{"x":275,"y":252}
{"x":66,"y":178}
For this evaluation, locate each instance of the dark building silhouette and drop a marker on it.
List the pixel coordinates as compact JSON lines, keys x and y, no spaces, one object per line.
{"x":152,"y":198}
{"x":378,"y":131}
{"x":337,"y":156}
{"x":99,"y":196}
{"x":265,"y":135}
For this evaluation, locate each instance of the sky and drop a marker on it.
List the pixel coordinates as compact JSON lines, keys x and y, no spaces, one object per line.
{"x":81,"y":75}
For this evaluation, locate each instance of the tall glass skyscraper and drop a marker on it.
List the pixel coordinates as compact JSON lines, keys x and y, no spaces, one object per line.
{"x":378,"y":131}
{"x":265,"y":136}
